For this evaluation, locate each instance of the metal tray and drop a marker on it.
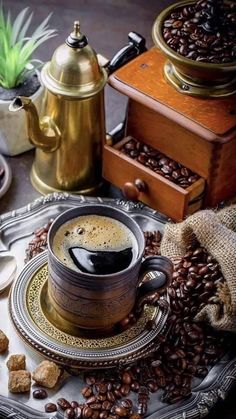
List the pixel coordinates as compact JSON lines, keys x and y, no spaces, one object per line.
{"x":6,"y":182}
{"x":16,"y":229}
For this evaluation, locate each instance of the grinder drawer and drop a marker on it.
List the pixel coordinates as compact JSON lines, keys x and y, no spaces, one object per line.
{"x":139,"y":182}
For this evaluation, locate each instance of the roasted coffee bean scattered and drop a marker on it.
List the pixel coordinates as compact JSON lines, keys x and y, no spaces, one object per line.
{"x":50,"y":407}
{"x":2,"y":173}
{"x":39,"y":242}
{"x":69,"y":413}
{"x":63,"y":403}
{"x":40,"y":394}
{"x":152,"y":242}
{"x":204,"y":31}
{"x":159,"y":163}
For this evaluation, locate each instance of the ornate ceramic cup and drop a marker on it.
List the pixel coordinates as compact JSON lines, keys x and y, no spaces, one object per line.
{"x":99,"y":301}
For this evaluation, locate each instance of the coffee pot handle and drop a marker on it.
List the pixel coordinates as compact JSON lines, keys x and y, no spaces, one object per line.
{"x":162,"y":269}
{"x":135,"y":47}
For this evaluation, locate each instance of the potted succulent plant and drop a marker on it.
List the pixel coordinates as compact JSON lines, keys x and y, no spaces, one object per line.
{"x":18,"y":75}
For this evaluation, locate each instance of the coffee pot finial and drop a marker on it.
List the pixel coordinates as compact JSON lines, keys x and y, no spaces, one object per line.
{"x":77,"y":28}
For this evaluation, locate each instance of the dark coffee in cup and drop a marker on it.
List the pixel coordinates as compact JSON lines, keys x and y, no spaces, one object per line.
{"x":95,"y":244}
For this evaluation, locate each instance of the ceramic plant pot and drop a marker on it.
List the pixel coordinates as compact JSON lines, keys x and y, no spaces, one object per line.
{"x":13,"y":130}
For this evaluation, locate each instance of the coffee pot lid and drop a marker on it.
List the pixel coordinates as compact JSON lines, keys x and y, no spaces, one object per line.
{"x":74,"y":69}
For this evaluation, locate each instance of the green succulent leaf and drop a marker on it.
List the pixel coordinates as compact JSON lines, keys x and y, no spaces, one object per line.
{"x":16,"y":49}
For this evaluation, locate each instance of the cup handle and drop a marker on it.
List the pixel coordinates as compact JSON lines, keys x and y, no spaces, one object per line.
{"x":163,"y":268}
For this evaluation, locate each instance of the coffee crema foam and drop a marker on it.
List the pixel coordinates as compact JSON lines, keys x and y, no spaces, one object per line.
{"x":94,"y":233}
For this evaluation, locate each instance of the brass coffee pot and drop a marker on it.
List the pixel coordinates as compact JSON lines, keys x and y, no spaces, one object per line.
{"x":69,"y":136}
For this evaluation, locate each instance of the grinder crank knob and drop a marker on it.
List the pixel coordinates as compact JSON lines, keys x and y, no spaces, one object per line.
{"x":132,"y":190}
{"x":135,"y":47}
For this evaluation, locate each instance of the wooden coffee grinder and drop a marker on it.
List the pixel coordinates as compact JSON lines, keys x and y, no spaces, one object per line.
{"x":185,"y":109}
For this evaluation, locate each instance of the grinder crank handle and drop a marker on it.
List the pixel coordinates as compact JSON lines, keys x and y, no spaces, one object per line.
{"x":135,"y":47}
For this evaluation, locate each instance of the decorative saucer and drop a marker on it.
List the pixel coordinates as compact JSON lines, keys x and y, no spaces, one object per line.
{"x":45,"y":331}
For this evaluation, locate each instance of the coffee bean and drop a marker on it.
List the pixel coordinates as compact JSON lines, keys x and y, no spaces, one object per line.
{"x":95,"y":406}
{"x":125,"y":389}
{"x":87,"y":412}
{"x":126,"y":378}
{"x":103,"y":415}
{"x":101,"y":397}
{"x":63,"y":403}
{"x":69,"y":413}
{"x":152,"y":385}
{"x":168,"y":23}
{"x":111,"y":397}
{"x":127,"y":403}
{"x":101,"y":388}
{"x":142,"y":159}
{"x":91,"y":399}
{"x":120,"y":411}
{"x":135,"y":386}
{"x":50,"y":407}
{"x":117,"y":394}
{"x":106,"y":405}
{"x":176,"y":174}
{"x":87,"y":391}
{"x":74,"y":404}
{"x":40,"y":394}
{"x":177,"y":24}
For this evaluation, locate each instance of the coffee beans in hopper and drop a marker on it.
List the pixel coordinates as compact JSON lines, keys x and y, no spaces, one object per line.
{"x":159,"y":163}
{"x":188,"y":351}
{"x":204,"y":31}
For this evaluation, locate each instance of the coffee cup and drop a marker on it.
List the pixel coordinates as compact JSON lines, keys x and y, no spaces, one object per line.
{"x":96,"y":266}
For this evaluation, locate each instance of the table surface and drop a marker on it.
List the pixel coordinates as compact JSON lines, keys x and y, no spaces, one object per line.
{"x":107,"y":26}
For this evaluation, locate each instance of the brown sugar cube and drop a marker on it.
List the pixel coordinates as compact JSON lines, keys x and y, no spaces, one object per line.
{"x":4,"y":341}
{"x":46,"y":374}
{"x":19,"y":381}
{"x":16,"y":362}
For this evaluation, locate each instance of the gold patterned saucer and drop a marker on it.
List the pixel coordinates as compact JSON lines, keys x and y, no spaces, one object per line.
{"x":45,"y":331}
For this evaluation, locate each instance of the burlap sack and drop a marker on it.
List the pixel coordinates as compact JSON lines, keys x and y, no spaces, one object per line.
{"x":216,"y":231}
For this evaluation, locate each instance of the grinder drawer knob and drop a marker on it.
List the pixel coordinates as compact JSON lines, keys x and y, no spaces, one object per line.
{"x":132,"y":190}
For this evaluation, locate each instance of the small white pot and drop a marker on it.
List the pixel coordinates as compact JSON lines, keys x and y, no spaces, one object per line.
{"x":13,"y":127}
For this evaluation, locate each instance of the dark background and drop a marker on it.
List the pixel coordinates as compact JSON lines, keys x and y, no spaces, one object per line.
{"x":107,"y":24}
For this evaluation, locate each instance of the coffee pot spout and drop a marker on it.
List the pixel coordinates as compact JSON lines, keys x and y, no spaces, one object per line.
{"x":42,"y":133}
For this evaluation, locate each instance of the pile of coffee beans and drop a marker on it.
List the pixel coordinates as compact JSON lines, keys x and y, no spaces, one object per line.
{"x":204,"y":31}
{"x":152,"y":242}
{"x":39,"y":242}
{"x":191,"y":346}
{"x":2,"y":173}
{"x":101,"y":403}
{"x":188,"y":351}
{"x":159,"y":163}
